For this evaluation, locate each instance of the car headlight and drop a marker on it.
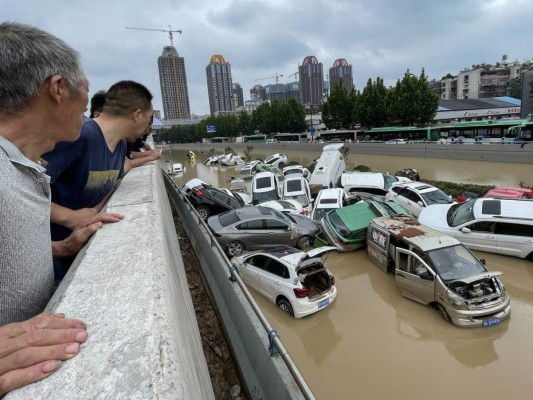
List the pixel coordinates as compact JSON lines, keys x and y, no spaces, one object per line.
{"x":456,"y":301}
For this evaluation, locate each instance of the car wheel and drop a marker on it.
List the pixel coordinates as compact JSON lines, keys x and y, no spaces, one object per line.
{"x":204,"y":212}
{"x":285,"y":306}
{"x":235,"y":248}
{"x":303,"y":242}
{"x":443,"y":313}
{"x":530,"y":257}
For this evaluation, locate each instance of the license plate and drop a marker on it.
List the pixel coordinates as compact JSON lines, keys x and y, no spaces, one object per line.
{"x":491,"y":322}
{"x":323,"y":303}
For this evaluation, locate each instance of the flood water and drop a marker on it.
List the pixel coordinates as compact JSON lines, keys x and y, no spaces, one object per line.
{"x":372,"y":343}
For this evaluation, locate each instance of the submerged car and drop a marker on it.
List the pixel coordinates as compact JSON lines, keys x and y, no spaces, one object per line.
{"x":510,"y":193}
{"x":345,"y":228}
{"x":255,"y":228}
{"x":502,"y":226}
{"x":331,"y":199}
{"x":208,"y":200}
{"x":277,"y":160}
{"x":265,"y":187}
{"x":297,"y":169}
{"x":285,"y":206}
{"x":373,"y":183}
{"x":296,"y":281}
{"x":415,"y":196}
{"x":296,"y":187}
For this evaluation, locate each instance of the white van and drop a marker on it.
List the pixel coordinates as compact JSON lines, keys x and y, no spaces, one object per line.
{"x":329,"y":167}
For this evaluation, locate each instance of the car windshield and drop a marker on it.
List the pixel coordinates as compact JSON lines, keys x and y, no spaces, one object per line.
{"x":319,"y":213}
{"x":338,"y":224}
{"x":263,"y":182}
{"x":389,"y":180}
{"x":301,"y":198}
{"x":245,"y":171}
{"x":455,"y":262}
{"x":461,"y":213}
{"x":264,"y":196}
{"x":436,"y":197}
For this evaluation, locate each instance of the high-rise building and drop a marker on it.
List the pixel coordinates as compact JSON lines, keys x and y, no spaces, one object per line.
{"x":257,"y":93}
{"x":238,"y":96}
{"x":311,"y":83}
{"x":219,"y":85}
{"x":173,"y":80}
{"x":341,"y":72}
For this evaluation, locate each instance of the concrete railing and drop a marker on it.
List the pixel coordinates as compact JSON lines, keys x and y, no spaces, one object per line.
{"x":250,"y":336}
{"x":129,"y":286}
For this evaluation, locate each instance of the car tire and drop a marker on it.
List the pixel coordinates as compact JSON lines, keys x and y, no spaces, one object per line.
{"x":204,"y":212}
{"x":443,"y":313}
{"x":234,"y":248}
{"x":285,"y":306}
{"x":303,"y":242}
{"x":530,"y":257}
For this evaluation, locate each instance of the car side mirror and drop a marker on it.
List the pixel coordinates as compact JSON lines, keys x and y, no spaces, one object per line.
{"x":465,"y":230}
{"x":482,"y":261}
{"x":420,"y":204}
{"x":426,"y":276}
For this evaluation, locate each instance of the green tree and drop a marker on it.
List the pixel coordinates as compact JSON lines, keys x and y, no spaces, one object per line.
{"x":412,"y":101}
{"x":371,"y":104}
{"x":337,"y":110}
{"x":515,"y":88}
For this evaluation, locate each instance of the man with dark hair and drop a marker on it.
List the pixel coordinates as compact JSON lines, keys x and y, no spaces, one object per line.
{"x":97,"y":103}
{"x":43,"y":95}
{"x":84,"y":173}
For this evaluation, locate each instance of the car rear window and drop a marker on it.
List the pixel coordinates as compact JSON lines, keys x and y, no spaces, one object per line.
{"x":491,"y":207}
{"x":328,"y":201}
{"x":338,"y":224}
{"x":294,"y":186}
{"x":262,"y":183}
{"x":228,"y":218}
{"x":286,"y":205}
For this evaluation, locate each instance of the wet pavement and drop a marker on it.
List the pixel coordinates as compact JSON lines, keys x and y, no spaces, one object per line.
{"x":372,"y":343}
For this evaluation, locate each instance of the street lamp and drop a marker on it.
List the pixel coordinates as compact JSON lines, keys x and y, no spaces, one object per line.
{"x":309,"y":107}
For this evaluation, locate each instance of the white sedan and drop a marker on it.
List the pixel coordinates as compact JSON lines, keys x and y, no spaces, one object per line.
{"x":415,"y":196}
{"x":296,"y":281}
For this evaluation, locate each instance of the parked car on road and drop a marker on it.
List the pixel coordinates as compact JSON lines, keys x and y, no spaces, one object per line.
{"x":255,"y":228}
{"x":208,"y":200}
{"x":265,"y":187}
{"x":397,"y":141}
{"x":415,"y":196}
{"x":507,"y":192}
{"x":502,"y":226}
{"x":296,"y":281}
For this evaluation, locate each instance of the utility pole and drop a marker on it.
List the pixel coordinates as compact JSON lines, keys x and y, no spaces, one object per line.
{"x":170,"y":31}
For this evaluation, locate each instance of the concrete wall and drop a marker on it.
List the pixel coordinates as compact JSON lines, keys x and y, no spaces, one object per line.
{"x":129,"y":286}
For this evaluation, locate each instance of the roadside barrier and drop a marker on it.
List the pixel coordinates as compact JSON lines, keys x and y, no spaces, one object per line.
{"x":265,"y":365}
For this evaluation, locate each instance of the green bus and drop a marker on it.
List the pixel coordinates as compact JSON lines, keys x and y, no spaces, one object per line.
{"x":489,"y":128}
{"x":291,"y":137}
{"x":411,"y":133}
{"x":255,"y":139}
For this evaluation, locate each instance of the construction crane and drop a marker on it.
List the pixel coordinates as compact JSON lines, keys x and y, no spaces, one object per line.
{"x":271,"y":77}
{"x":295,"y":74}
{"x":169,"y":31}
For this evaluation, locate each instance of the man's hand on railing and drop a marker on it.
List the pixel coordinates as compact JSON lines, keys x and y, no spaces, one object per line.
{"x":33,"y":349}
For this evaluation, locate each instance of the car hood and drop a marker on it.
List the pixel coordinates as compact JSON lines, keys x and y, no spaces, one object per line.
{"x":474,"y":278}
{"x":435,"y":215}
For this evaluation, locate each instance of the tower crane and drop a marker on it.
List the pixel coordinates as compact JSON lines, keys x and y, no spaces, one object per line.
{"x":271,"y":77}
{"x":169,"y":31}
{"x":296,"y":74}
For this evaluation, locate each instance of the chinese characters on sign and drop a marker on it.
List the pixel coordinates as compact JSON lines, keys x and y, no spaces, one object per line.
{"x":379,"y":239}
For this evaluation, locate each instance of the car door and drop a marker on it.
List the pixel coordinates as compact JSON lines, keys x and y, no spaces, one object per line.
{"x":478,"y":235}
{"x":273,"y":279}
{"x":414,"y":285}
{"x":514,"y":239}
{"x":252,"y":233}
{"x":409,"y":200}
{"x":278,"y":233}
{"x":254,"y":268}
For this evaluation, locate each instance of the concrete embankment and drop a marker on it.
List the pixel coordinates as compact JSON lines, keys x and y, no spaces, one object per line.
{"x":508,"y":153}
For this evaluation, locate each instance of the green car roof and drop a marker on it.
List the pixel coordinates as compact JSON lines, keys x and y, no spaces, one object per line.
{"x":356,"y":216}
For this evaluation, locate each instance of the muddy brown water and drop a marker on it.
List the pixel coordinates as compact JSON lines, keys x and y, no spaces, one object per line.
{"x":372,"y":343}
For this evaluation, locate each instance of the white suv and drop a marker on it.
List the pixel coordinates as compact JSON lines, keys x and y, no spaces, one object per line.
{"x":415,"y":196}
{"x":502,"y":226}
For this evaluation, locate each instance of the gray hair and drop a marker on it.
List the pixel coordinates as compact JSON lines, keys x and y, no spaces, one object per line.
{"x":28,"y":57}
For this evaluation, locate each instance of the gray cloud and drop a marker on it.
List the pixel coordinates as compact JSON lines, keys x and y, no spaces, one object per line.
{"x":261,"y":38}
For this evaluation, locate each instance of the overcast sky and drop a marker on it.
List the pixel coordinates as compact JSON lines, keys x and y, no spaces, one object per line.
{"x":263,"y":38}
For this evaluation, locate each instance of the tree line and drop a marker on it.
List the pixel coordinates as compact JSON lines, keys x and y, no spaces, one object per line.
{"x":409,"y":102}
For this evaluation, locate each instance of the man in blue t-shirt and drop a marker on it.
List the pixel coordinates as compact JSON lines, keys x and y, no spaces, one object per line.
{"x":85,"y":172}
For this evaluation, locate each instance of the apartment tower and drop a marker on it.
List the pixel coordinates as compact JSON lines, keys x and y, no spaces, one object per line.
{"x":173,"y":80}
{"x":311,"y":83}
{"x":341,"y":72}
{"x":219,"y":85}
